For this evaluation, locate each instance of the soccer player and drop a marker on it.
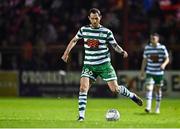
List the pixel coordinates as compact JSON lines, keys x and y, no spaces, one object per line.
{"x":155,"y":59}
{"x":97,"y":60}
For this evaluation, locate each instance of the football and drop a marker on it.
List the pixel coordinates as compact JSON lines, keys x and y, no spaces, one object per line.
{"x":112,"y":115}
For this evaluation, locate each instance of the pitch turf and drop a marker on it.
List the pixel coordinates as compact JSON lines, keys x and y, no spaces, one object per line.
{"x":62,"y":113}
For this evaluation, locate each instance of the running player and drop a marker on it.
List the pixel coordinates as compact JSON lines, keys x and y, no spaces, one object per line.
{"x":155,"y":59}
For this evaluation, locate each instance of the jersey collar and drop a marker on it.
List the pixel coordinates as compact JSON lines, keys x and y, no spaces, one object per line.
{"x":157,"y":44}
{"x":97,"y":27}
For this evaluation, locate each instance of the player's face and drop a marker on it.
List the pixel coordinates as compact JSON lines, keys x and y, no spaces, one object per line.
{"x":154,"y":39}
{"x":95,"y":19}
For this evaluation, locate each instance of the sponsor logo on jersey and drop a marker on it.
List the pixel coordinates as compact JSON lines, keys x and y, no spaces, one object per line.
{"x":93,"y":43}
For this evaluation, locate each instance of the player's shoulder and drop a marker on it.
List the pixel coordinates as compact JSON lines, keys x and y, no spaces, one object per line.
{"x":161,"y":46}
{"x":147,"y":46}
{"x":85,"y":27}
{"x":105,"y":29}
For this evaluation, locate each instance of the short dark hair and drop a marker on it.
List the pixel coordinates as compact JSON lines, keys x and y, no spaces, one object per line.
{"x":95,"y":10}
{"x":155,"y":34}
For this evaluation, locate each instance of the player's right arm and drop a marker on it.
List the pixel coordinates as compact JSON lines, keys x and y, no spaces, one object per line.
{"x":143,"y":65}
{"x":71,"y":44}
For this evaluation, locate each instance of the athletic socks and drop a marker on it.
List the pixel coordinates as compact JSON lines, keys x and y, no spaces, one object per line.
{"x":158,"y":102}
{"x":82,"y":104}
{"x":149,"y":100}
{"x":125,"y":92}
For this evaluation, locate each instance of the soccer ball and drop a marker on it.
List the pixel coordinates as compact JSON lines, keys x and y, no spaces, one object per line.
{"x":112,"y":115}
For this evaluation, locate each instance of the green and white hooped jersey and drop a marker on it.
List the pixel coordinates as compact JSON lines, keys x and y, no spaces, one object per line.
{"x":155,"y":57}
{"x":95,"y":44}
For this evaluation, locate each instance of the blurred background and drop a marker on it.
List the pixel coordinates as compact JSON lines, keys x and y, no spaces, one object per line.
{"x":35,"y":33}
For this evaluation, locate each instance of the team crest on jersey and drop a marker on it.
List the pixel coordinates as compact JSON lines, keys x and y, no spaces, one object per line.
{"x":93,"y":43}
{"x":154,"y":57}
{"x":101,"y":34}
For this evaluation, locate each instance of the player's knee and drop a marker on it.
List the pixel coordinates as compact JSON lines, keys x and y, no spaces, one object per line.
{"x":158,"y":89}
{"x":113,"y":86}
{"x":113,"y":89}
{"x":149,"y":84}
{"x":84,"y":87}
{"x":149,"y":87}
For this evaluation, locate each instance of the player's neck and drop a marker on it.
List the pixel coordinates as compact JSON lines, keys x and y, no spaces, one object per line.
{"x":154,"y":44}
{"x":95,"y":27}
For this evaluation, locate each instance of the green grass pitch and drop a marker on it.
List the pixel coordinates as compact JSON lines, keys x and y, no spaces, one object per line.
{"x":62,"y":113}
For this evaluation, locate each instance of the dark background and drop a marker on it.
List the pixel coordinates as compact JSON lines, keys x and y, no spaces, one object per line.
{"x":34,"y":33}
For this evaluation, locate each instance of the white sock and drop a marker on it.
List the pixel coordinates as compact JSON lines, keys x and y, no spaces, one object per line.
{"x":148,"y":100}
{"x":158,"y":101}
{"x":82,"y":103}
{"x":125,"y":92}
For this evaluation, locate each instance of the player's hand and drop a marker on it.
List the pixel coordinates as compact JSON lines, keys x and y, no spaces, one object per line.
{"x":142,"y":76}
{"x":163,"y":66}
{"x":65,"y":57}
{"x":124,"y":53}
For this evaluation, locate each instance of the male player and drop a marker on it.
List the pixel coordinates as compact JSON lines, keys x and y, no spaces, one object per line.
{"x":97,"y":60}
{"x":155,"y":59}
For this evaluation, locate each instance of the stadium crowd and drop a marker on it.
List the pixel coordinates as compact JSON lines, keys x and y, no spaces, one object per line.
{"x":34,"y":33}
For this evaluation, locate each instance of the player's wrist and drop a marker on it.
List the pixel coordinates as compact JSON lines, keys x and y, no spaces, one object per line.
{"x":122,"y":52}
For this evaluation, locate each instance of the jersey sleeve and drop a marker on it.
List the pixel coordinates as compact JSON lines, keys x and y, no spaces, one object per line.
{"x":144,"y":53}
{"x":79,"y":34}
{"x":110,"y":38}
{"x":165,"y":52}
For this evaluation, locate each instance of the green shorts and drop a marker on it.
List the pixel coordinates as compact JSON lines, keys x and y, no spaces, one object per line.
{"x":155,"y":79}
{"x":105,"y":71}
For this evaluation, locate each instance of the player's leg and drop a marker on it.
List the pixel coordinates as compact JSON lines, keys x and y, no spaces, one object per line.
{"x":82,"y":101}
{"x":158,"y":84}
{"x":158,"y":98}
{"x":114,"y":87}
{"x":87,"y":77}
{"x":149,"y":84}
{"x":109,"y":75}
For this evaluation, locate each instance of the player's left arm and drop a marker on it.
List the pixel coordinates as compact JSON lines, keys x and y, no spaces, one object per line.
{"x":115,"y":45}
{"x":166,"y":61}
{"x":119,"y":49}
